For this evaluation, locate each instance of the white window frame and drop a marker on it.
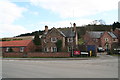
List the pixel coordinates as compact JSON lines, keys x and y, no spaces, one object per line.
{"x":7,"y":49}
{"x":22,"y":49}
{"x":46,"y":50}
{"x":69,"y":49}
{"x":70,"y":39}
{"x":53,"y":39}
{"x":53,"y":49}
{"x":106,"y":39}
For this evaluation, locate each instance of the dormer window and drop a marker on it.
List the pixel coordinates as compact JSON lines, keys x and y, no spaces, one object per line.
{"x":53,"y":39}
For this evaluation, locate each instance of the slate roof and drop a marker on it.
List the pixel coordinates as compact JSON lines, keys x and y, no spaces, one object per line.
{"x":112,"y":35}
{"x":16,"y":43}
{"x":68,"y":33}
{"x":95,"y":34}
{"x":98,"y":34}
{"x":65,"y":33}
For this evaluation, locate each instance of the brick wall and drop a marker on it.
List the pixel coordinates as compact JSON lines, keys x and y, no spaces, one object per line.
{"x":12,"y":54}
{"x":103,"y":42}
{"x":62,"y":54}
{"x":117,"y":32}
{"x":17,"y":49}
{"x":30,"y":47}
{"x":46,"y":42}
{"x":37,"y":54}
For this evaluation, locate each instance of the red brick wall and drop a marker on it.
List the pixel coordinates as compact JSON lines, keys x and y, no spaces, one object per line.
{"x":117,"y":32}
{"x":86,"y":37}
{"x":14,"y":49}
{"x":35,"y":54}
{"x":30,"y":47}
{"x":62,"y":54}
{"x":103,"y":42}
{"x":12,"y":54}
{"x":3,"y":50}
{"x":88,"y":40}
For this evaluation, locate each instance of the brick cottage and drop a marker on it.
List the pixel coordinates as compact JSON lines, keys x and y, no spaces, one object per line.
{"x":68,"y":37}
{"x":17,"y":48}
{"x":102,"y":39}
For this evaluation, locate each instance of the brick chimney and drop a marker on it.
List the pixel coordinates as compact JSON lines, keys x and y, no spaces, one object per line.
{"x":46,"y":29}
{"x":74,"y":27}
{"x":76,"y":35}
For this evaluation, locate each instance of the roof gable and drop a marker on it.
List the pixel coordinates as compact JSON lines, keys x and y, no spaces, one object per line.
{"x":54,"y":29}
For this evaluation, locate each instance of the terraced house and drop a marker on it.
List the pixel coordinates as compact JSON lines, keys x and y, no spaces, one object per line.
{"x":68,"y":38}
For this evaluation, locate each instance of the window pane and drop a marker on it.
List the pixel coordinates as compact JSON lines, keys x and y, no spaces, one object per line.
{"x":22,"y":49}
{"x":54,"y":39}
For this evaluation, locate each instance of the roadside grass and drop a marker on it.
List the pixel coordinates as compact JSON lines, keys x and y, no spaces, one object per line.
{"x":115,"y":54}
{"x":57,"y":57}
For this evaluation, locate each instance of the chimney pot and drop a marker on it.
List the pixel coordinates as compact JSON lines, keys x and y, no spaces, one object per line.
{"x":46,"y":29}
{"x":74,"y":26}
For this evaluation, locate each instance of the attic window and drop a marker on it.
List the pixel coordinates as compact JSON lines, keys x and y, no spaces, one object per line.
{"x":106,"y":39}
{"x":53,"y":39}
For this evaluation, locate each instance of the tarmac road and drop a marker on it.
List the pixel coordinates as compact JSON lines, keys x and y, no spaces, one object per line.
{"x":103,"y":67}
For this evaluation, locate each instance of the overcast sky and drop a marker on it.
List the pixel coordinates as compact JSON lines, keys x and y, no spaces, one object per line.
{"x":23,"y":16}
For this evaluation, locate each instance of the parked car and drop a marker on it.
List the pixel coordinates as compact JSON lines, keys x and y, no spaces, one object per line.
{"x":116,"y":50}
{"x":100,"y":49}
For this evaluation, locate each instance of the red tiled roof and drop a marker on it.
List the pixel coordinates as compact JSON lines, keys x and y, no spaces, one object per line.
{"x":15,"y":43}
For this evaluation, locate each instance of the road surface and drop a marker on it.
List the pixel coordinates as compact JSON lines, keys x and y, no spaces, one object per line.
{"x":104,"y":66}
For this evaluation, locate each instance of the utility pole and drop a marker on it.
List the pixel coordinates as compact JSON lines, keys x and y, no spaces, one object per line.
{"x":72,"y":39}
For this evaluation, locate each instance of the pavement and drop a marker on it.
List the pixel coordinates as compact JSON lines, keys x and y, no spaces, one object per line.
{"x":104,"y":66}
